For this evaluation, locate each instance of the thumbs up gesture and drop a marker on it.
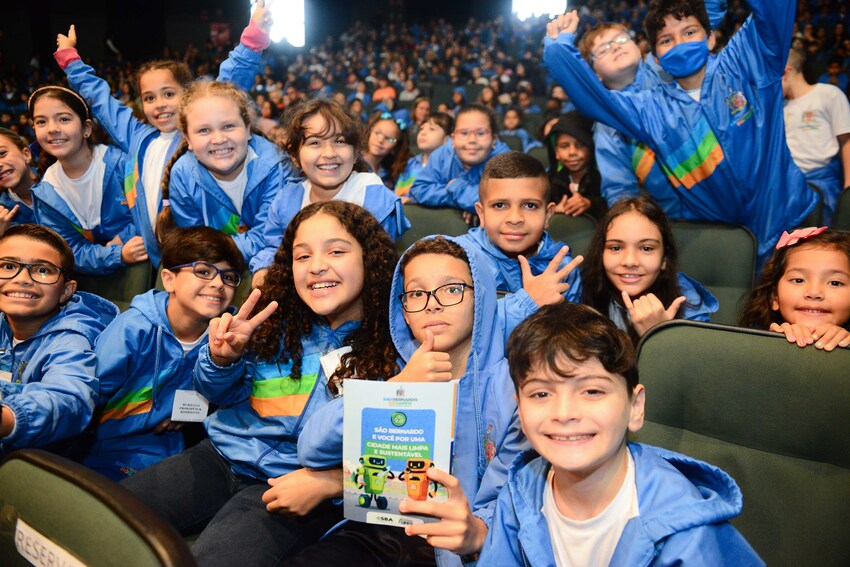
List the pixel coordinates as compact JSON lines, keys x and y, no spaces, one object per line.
{"x":426,"y":364}
{"x":65,"y":41}
{"x":647,"y":311}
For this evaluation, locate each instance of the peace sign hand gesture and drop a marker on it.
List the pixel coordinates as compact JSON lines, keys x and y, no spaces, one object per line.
{"x":229,"y":334}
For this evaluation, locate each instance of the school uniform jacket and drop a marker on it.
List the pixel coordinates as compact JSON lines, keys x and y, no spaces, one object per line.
{"x":684,"y":510}
{"x":728,"y":150}
{"x":53,"y":388}
{"x":91,"y":256}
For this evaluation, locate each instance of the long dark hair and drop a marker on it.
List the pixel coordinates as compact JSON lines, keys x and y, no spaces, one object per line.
{"x":598,"y":291}
{"x":279,"y":338}
{"x":77,"y":105}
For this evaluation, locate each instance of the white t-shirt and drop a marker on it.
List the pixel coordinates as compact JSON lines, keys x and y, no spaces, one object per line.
{"x":235,"y":189}
{"x":152,"y":171}
{"x":188,"y":346}
{"x":812,"y":124}
{"x":352,"y":191}
{"x":83,"y":195}
{"x":591,"y":542}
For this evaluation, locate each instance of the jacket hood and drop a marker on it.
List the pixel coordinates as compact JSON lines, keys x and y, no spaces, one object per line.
{"x":483,"y":350}
{"x":85,"y":313}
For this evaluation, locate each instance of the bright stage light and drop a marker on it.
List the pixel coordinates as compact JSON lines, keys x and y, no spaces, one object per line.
{"x":287,"y":20}
{"x":525,"y":9}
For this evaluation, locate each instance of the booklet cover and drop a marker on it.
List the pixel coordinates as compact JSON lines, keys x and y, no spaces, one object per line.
{"x":393,"y":433}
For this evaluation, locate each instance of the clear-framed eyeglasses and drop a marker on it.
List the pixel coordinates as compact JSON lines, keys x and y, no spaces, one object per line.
{"x":607,"y":47}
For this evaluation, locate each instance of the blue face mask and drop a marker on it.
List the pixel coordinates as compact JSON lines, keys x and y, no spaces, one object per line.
{"x":685,"y":59}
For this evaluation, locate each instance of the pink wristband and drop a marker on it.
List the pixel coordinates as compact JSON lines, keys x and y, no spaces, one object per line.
{"x":254,"y":38}
{"x":66,"y":56}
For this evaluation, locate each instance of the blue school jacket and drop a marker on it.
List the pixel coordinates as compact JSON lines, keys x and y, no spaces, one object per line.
{"x":684,"y":504}
{"x":91,"y":256}
{"x":372,"y":195}
{"x":728,"y":151}
{"x":25,"y":214}
{"x":263,"y":410}
{"x":53,"y":388}
{"x":487,"y":432}
{"x":507,"y":271}
{"x":140,"y":365}
{"x":134,"y":136}
{"x":446,"y":182}
{"x":197,"y":200}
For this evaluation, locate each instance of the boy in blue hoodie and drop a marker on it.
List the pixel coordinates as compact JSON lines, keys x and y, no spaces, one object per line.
{"x":585,"y":496}
{"x":717,"y":130}
{"x":513,"y":205}
{"x":444,"y":323}
{"x":48,"y":388}
{"x":147,"y":355}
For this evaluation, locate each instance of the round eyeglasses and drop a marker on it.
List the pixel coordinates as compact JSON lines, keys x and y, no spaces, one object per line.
{"x":41,"y":272}
{"x":446,"y":295}
{"x":608,"y":46}
{"x":205,"y":271}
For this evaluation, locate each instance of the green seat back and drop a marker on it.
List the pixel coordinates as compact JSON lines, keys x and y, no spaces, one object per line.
{"x":541,"y":155}
{"x":722,"y":257}
{"x":121,"y":286}
{"x":425,"y":221}
{"x":93,"y":518}
{"x":575,"y":232}
{"x":770,"y":414}
{"x":513,"y":142}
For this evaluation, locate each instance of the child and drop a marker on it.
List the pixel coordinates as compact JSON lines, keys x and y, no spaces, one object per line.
{"x":591,"y":498}
{"x":323,"y":141}
{"x":512,"y":122}
{"x":161,"y":85}
{"x":148,"y":353}
{"x":804,"y":290}
{"x":718,"y":128}
{"x":48,"y":387}
{"x":79,"y":195}
{"x":524,"y":260}
{"x":332,"y":279}
{"x":817,"y":129}
{"x":433,"y":133}
{"x":574,"y":177}
{"x":444,"y":325}
{"x":451,"y":177}
{"x":229,"y":178}
{"x":387,"y":150}
{"x":16,"y":181}
{"x":630,"y":272}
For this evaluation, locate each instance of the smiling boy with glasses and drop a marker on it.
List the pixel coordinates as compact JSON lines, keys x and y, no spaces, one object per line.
{"x":48,"y":388}
{"x":146,"y":357}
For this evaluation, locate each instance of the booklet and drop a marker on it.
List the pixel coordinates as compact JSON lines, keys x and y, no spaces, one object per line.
{"x":393,"y":433}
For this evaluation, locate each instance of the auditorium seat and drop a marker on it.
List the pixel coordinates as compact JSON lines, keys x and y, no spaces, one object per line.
{"x":425,"y":221}
{"x":575,"y":232}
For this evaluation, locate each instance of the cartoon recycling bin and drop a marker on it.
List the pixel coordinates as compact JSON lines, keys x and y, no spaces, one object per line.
{"x":416,"y":476}
{"x":375,"y":473}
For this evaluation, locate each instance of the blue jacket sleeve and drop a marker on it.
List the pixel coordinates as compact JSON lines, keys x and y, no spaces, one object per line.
{"x":501,"y":546}
{"x":240,"y":67}
{"x":429,"y":188}
{"x":396,"y":223}
{"x":708,"y":545}
{"x":320,"y":441}
{"x":619,"y":110}
{"x":185,"y":204}
{"x":513,"y":309}
{"x":89,"y":258}
{"x":61,"y":404}
{"x":760,"y":47}
{"x":613,"y":157}
{"x":115,"y":348}
{"x":463,"y":190}
{"x":252,"y":241}
{"x":225,"y":386}
{"x":272,"y":232}
{"x":116,"y":118}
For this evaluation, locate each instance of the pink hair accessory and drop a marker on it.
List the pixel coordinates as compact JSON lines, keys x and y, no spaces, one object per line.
{"x":795,"y":236}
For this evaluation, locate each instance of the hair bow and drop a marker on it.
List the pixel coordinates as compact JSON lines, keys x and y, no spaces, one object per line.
{"x":795,"y":236}
{"x":402,"y":125}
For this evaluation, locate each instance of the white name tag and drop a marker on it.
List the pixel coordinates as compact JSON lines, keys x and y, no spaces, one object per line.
{"x":189,"y":405}
{"x":39,"y":550}
{"x":5,"y":376}
{"x":330,"y":360}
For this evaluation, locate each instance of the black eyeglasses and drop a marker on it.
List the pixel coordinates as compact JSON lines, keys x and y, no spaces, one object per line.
{"x":42,"y":272}
{"x":446,"y":295}
{"x":205,"y":271}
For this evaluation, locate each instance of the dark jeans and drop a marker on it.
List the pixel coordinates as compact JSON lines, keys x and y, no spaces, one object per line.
{"x":367,"y":545}
{"x":196,"y":490}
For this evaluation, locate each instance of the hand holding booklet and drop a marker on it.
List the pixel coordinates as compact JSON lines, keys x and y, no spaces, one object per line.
{"x":393,"y":433}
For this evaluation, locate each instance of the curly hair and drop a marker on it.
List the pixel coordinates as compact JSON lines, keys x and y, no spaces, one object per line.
{"x":759,"y":313}
{"x":678,"y":9}
{"x":373,"y":355}
{"x":597,"y":289}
